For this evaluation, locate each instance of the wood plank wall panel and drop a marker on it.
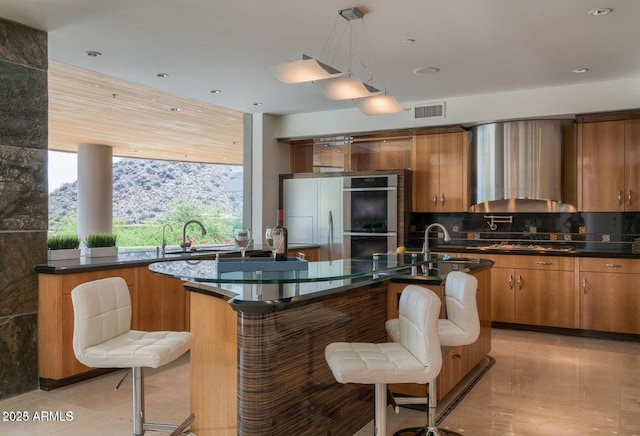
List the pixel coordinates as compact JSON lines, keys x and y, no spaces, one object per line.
{"x":137,"y":121}
{"x":285,"y":385}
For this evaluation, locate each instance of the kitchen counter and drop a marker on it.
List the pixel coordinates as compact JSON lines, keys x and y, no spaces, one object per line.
{"x":257,"y":361}
{"x":146,"y":257}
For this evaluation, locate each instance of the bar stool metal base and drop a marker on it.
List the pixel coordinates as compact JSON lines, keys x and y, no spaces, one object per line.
{"x":423,"y":431}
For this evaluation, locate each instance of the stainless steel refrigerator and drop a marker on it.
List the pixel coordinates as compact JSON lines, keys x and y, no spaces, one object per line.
{"x":313,"y":213}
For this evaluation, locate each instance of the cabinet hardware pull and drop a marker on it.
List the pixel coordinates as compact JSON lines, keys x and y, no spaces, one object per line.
{"x":519,"y":281}
{"x":543,"y":263}
{"x":619,"y":198}
{"x":442,"y":199}
{"x":510,"y":281}
{"x":456,"y":357}
{"x":435,"y":199}
{"x":630,"y":198}
{"x":611,"y":265}
{"x":584,"y":285}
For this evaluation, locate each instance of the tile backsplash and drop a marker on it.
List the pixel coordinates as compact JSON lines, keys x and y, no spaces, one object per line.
{"x":598,"y":232}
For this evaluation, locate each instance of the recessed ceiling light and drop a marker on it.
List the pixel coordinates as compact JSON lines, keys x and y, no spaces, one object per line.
{"x":94,"y":54}
{"x":580,"y":70}
{"x":257,"y":103}
{"x":600,"y":11}
{"x":162,"y":75}
{"x":175,"y":109}
{"x":409,"y":41}
{"x":215,"y":91}
{"x":426,"y":70}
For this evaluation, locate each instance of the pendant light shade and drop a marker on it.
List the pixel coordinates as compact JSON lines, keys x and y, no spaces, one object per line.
{"x":380,"y":105}
{"x":345,"y":88}
{"x":303,"y":70}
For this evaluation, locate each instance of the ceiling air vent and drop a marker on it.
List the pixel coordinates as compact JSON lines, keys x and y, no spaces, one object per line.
{"x":432,"y":110}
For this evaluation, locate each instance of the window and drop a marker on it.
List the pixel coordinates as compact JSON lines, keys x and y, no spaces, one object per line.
{"x":149,"y":194}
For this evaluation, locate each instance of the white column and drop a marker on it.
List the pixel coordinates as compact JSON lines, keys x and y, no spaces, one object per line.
{"x":95,"y":189}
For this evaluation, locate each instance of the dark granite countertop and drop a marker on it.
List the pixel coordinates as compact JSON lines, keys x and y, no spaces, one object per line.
{"x":145,"y":257}
{"x":265,"y":298}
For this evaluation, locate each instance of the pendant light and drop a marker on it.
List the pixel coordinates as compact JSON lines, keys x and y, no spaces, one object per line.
{"x":303,"y":70}
{"x":336,"y":85}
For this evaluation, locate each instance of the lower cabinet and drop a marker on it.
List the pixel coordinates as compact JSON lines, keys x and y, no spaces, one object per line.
{"x":609,"y":295}
{"x":534,"y":290}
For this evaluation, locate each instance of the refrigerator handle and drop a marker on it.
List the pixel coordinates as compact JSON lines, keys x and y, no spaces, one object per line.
{"x":330,"y":236}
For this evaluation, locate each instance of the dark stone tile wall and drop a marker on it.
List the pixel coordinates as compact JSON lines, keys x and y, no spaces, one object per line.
{"x":592,"y":232}
{"x":23,"y":200}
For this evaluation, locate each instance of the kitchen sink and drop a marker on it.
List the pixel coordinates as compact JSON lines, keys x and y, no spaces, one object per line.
{"x":203,"y":249}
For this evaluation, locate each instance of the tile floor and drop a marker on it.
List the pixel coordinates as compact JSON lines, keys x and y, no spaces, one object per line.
{"x":541,"y":384}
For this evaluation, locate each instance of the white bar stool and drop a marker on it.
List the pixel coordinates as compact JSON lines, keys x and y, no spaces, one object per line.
{"x":102,"y":338}
{"x":415,"y":358}
{"x":461,"y":327}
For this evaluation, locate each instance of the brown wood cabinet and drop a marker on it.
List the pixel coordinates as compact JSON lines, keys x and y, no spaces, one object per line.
{"x":534,"y":290}
{"x":439,"y":164}
{"x":610,"y":295}
{"x":610,"y":163}
{"x":55,"y":320}
{"x":158,"y":303}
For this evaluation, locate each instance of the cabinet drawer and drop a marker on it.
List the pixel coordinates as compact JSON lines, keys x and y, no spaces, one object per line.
{"x":70,"y":281}
{"x":609,"y":265}
{"x":557,"y":263}
{"x":499,"y":260}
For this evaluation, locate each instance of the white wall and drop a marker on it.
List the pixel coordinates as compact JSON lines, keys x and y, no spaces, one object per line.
{"x":543,"y":102}
{"x":270,"y":159}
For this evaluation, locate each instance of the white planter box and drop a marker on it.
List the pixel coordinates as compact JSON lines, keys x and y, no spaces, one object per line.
{"x":101,"y":252}
{"x":71,"y":253}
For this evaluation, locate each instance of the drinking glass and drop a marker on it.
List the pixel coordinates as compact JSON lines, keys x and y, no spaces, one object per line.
{"x":243,"y":239}
{"x":274,"y":237}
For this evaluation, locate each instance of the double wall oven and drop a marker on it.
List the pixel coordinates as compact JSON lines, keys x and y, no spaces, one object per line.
{"x":370,"y":214}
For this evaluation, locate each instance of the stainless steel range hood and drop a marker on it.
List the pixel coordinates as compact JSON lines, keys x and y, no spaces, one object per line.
{"x":523,"y":166}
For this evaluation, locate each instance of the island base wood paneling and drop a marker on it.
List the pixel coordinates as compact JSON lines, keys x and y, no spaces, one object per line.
{"x":285,"y":386}
{"x":213,"y":376}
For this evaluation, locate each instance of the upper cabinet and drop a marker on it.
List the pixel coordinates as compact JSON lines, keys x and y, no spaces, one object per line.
{"x":439,"y":164}
{"x":610,"y":162}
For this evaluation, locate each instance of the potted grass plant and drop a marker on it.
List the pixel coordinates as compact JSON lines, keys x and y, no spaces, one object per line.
{"x":101,"y":245}
{"x":63,"y":247}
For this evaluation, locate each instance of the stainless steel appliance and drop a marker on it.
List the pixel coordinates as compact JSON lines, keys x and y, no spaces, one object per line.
{"x":370,"y":214}
{"x":523,"y":166}
{"x":313,"y":213}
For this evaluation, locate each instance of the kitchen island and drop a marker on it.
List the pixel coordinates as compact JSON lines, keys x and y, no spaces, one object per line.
{"x":257,"y":361}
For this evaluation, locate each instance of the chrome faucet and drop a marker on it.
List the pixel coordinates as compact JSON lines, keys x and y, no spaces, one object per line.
{"x":186,"y":244}
{"x":425,"y":247}
{"x":164,"y":241}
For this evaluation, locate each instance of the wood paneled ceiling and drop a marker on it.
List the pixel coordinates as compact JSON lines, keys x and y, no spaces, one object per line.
{"x":86,"y":107}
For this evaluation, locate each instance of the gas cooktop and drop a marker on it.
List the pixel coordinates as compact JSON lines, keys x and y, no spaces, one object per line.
{"x":523,"y":247}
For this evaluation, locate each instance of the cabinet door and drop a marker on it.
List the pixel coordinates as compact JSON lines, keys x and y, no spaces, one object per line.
{"x":426,"y":177}
{"x":160,"y":303}
{"x":545,"y":298}
{"x":451,"y":172}
{"x":610,"y":302}
{"x":502,"y":294}
{"x":632,"y":165}
{"x":603,"y":166}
